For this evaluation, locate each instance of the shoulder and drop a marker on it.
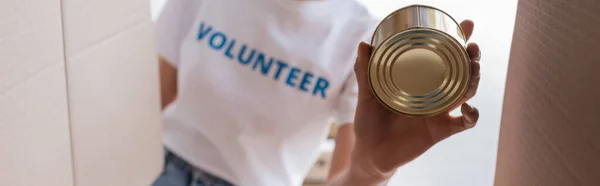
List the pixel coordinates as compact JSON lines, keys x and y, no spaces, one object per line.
{"x":359,"y":20}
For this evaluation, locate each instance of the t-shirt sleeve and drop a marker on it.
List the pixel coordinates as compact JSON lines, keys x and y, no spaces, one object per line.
{"x":348,"y":98}
{"x":172,"y":25}
{"x":347,"y":101}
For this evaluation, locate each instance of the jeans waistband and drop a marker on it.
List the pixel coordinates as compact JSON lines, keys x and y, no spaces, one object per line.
{"x":177,"y":161}
{"x":198,"y":175}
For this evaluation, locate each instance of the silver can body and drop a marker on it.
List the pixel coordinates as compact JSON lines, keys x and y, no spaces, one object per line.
{"x":419,"y":65}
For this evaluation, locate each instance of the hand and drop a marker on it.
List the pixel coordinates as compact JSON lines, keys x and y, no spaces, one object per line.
{"x":386,"y":140}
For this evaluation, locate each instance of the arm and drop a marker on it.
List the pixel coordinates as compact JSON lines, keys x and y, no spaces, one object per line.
{"x":345,"y":138}
{"x":174,"y":22}
{"x":344,"y":144}
{"x":386,"y":140}
{"x":346,"y":171}
{"x":168,"y":82}
{"x":348,"y":168}
{"x":361,"y":172}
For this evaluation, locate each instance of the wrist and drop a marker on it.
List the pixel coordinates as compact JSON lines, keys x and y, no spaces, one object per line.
{"x":363,"y":170}
{"x":366,"y":170}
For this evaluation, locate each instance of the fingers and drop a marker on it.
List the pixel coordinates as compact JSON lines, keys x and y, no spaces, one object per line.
{"x":470,"y":116}
{"x":449,"y":125}
{"x":362,"y":61}
{"x":474,"y":52}
{"x":468,"y":120}
{"x":361,"y":70}
{"x":467,"y":27}
{"x":475,"y":55}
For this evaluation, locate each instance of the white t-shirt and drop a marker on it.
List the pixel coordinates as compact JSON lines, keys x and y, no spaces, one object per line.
{"x":258,"y":81}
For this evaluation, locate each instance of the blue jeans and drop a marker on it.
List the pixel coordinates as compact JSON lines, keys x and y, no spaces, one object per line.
{"x":177,"y":172}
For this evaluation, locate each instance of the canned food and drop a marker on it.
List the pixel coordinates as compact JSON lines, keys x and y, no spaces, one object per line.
{"x":419,"y":65}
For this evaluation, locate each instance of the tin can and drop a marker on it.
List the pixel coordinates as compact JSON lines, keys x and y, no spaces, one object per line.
{"x":419,"y":65}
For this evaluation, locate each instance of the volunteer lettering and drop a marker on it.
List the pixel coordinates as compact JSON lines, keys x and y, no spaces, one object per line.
{"x":268,"y":66}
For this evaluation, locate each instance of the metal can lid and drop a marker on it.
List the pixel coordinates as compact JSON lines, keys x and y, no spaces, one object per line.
{"x":420,"y":72}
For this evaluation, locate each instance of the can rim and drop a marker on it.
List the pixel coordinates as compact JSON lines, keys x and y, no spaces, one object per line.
{"x":462,"y":32}
{"x":452,"y":105}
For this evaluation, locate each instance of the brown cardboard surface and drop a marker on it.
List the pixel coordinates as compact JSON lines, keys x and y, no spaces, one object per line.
{"x":320,"y":169}
{"x":34,"y":128}
{"x":550,"y":132}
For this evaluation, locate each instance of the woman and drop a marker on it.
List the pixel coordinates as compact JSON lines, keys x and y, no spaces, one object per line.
{"x":249,"y":87}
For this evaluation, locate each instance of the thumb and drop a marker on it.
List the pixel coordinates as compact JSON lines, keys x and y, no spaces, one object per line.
{"x":469,"y":118}
{"x":455,"y":125}
{"x":361,"y":68}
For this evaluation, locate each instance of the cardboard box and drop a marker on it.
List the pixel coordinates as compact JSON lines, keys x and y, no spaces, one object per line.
{"x":79,"y":94}
{"x":319,"y":172}
{"x":550,"y":131}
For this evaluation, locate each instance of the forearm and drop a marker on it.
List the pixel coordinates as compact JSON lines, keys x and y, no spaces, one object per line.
{"x":358,"y":174}
{"x":344,"y":144}
{"x":348,"y":167}
{"x":362,"y":171}
{"x":168,"y":82}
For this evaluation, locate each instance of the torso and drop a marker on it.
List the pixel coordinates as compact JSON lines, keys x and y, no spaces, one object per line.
{"x":257,"y":85}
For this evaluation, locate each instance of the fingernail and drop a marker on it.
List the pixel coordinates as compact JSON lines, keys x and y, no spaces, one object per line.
{"x":469,"y":124}
{"x":468,"y":107}
{"x":471,"y":119}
